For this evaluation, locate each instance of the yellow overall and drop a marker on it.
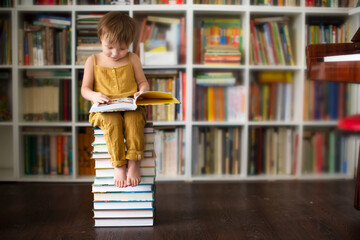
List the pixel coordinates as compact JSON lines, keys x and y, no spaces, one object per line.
{"x":119,"y":82}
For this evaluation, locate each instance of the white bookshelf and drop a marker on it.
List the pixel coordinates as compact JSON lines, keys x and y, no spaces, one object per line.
{"x":11,"y":161}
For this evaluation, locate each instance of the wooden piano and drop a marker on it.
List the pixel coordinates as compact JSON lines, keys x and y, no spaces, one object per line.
{"x":338,"y":62}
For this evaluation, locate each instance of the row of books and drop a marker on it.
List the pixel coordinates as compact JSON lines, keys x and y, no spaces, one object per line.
{"x":47,"y":151}
{"x":328,"y":151}
{"x":330,"y":3}
{"x":272,"y":151}
{"x":174,"y":82}
{"x":167,"y":2}
{"x":83,"y":105}
{"x":46,"y":41}
{"x":330,"y":100}
{"x":218,"y":41}
{"x":7,"y":3}
{"x":288,"y":3}
{"x":217,"y":150}
{"x":326,"y":33}
{"x":218,"y":2}
{"x":5,"y":101}
{"x":270,"y":42}
{"x":272,"y":96}
{"x":46,"y":96}
{"x":161,"y":40}
{"x":87,"y":39}
{"x":48,"y":2}
{"x":170,"y":151}
{"x":85,"y":138}
{"x":308,"y":3}
{"x":217,"y":103}
{"x":129,"y":206}
{"x":5,"y":41}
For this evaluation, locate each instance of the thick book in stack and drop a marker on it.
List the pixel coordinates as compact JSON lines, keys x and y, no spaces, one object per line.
{"x":129,"y":206}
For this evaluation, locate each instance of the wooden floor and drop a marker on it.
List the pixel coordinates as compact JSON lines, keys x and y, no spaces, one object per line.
{"x":236,"y":210}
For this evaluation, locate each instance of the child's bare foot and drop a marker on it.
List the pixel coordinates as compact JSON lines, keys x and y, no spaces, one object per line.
{"x":120,"y":176}
{"x":133,"y":174}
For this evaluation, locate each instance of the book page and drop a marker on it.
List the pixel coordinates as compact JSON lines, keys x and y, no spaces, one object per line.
{"x":117,"y":104}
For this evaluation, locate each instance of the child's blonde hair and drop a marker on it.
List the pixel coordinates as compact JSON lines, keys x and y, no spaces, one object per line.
{"x":117,"y":27}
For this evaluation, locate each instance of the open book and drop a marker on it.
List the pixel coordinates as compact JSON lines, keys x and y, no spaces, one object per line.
{"x":125,"y":104}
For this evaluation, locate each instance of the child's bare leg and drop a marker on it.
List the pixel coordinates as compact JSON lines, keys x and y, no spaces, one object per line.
{"x":133,"y":175}
{"x":120,"y":176}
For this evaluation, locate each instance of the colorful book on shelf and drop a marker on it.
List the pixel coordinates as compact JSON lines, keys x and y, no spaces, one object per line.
{"x":221,"y":41}
{"x":125,"y":104}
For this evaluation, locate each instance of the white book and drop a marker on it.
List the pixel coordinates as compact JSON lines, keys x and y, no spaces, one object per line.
{"x":110,"y":180}
{"x":136,"y":213}
{"x":102,"y":205}
{"x":106,"y":163}
{"x":113,"y":188}
{"x":109,"y":172}
{"x":123,"y":222}
{"x":100,"y":138}
{"x":102,"y":155}
{"x":124,"y":196}
{"x":102,"y":148}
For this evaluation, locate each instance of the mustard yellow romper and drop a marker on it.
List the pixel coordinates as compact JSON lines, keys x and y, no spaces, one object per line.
{"x":119,"y":82}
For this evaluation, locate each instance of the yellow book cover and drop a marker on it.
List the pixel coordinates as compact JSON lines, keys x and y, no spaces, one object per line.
{"x":274,"y":77}
{"x":126,"y":104}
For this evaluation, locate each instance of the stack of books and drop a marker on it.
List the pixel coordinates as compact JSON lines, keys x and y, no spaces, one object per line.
{"x":129,"y":206}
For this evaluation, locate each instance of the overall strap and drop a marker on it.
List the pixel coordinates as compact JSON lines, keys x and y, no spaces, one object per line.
{"x":94,"y":59}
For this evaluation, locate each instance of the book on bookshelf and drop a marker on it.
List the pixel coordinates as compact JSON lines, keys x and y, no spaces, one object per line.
{"x":272,"y":96}
{"x":46,"y":2}
{"x":87,"y":41}
{"x":217,"y":2}
{"x":326,"y":151}
{"x":221,"y":98}
{"x":170,"y":81}
{"x":5,"y":95}
{"x":325,"y":30}
{"x":272,"y":151}
{"x":7,"y":3}
{"x":5,"y":39}
{"x":166,"y":2}
{"x":104,"y":2}
{"x":271,"y":42}
{"x":161,"y":40}
{"x":83,"y":105}
{"x":330,"y":100}
{"x":127,"y":206}
{"x":46,"y":95}
{"x":218,"y":150}
{"x":287,"y":3}
{"x":170,"y":151}
{"x":47,"y":151}
{"x":329,"y":3}
{"x":218,"y":41}
{"x":86,"y":165}
{"x":45,"y":39}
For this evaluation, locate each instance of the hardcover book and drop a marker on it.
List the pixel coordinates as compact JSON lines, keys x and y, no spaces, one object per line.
{"x":125,"y":104}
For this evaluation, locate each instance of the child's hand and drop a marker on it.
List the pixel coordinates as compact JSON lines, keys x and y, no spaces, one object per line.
{"x":137,"y":93}
{"x":99,"y":98}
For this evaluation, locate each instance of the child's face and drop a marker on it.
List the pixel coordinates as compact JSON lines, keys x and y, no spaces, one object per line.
{"x":115,"y":51}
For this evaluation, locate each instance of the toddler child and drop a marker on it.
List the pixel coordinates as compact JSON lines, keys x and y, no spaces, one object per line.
{"x":117,"y":73}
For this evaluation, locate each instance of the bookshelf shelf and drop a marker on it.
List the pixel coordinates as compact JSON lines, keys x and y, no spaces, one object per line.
{"x":12,"y":165}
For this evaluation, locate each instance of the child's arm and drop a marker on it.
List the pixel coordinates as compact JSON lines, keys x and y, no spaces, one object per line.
{"x":139,"y":75}
{"x":88,"y":82}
